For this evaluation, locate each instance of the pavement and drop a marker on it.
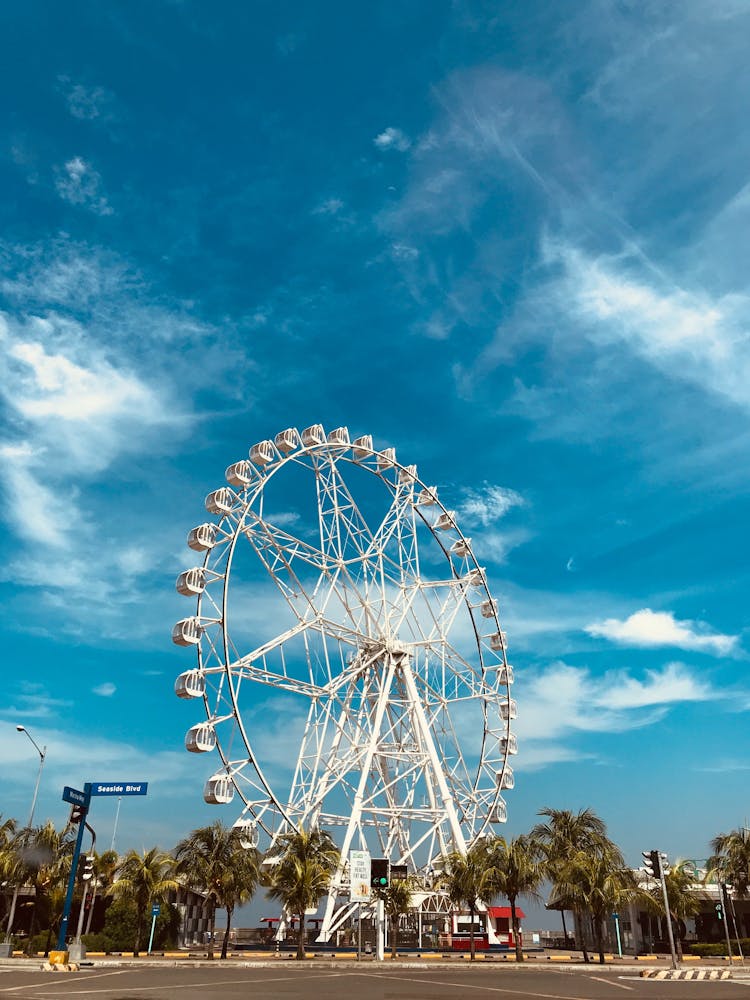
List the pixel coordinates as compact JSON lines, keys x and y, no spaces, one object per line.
{"x":125,"y":978}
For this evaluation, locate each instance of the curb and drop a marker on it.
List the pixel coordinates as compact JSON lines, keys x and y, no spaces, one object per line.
{"x":712,"y":974}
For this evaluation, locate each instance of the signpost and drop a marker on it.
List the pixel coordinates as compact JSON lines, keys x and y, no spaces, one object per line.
{"x":81,"y":803}
{"x":155,"y":911}
{"x":359,"y":887}
{"x":79,"y":800}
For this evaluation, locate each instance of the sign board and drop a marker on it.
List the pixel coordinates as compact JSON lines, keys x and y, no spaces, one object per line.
{"x":399,"y":873}
{"x":75,"y":797}
{"x":359,"y":876}
{"x":155,"y":910}
{"x":119,"y":787}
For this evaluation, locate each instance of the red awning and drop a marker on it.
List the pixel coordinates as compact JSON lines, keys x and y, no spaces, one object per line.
{"x":504,"y":911}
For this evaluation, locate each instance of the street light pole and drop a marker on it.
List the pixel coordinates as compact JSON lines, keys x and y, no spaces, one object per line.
{"x":7,"y":946}
{"x":42,"y":751}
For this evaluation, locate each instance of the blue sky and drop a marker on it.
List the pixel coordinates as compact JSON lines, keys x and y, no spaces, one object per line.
{"x":508,"y":239}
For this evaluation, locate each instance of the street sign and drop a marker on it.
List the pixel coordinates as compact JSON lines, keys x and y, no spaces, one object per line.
{"x":119,"y":787}
{"x":359,"y":876}
{"x":155,"y":910}
{"x":75,"y":796}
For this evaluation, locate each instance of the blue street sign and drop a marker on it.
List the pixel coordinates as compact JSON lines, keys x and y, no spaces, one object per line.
{"x":119,"y":787}
{"x":75,"y":797}
{"x":155,"y":910}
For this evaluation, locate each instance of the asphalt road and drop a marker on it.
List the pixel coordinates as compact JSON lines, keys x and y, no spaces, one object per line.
{"x":306,"y":983}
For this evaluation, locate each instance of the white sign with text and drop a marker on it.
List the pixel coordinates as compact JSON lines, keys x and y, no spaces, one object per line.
{"x":359,"y":876}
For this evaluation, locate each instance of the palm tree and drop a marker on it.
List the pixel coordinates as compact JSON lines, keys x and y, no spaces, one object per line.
{"x":8,"y":864}
{"x":301,"y":876}
{"x":44,"y":858}
{"x":516,"y":871}
{"x":596,"y":882}
{"x":144,"y":879}
{"x":396,"y":900}
{"x":213,"y":860}
{"x":564,"y":833}
{"x":730,"y":861}
{"x":469,"y":879}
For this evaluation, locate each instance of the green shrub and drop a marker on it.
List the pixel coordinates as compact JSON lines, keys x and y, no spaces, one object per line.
{"x":715,"y":948}
{"x":97,"y":942}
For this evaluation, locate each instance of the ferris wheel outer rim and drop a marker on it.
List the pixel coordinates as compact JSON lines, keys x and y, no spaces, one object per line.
{"x":239,"y":513}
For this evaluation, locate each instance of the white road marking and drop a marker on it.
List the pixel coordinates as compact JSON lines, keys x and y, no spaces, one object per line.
{"x":175,"y":986}
{"x":474,"y":986}
{"x":621,"y":986}
{"x":85,"y":975}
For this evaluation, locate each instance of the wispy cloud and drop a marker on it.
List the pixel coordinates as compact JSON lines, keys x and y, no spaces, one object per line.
{"x":392,"y":138}
{"x":83,"y":391}
{"x":79,"y":184}
{"x":561,"y":701}
{"x":686,"y":334}
{"x":105,"y":690}
{"x":488,"y":504}
{"x":649,"y":628}
{"x":86,"y":103}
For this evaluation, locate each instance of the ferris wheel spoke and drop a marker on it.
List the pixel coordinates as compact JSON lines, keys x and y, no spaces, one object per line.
{"x":344,"y":532}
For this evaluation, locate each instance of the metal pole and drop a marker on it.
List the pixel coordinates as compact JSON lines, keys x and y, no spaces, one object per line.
{"x":151,"y":938}
{"x":42,"y":756}
{"x":94,"y":887}
{"x":79,"y":929}
{"x":379,"y":920}
{"x":359,"y":932}
{"x":114,"y":828}
{"x":11,"y":915}
{"x":662,"y":860}
{"x":722,"y":896}
{"x":734,"y":924}
{"x":73,"y":868}
{"x":617,"y":932}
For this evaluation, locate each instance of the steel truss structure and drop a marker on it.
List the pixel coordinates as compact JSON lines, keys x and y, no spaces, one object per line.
{"x":388,"y":638}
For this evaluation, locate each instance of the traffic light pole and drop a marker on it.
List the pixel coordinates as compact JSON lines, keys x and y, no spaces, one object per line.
{"x":71,"y":886}
{"x":73,"y":869}
{"x":723,"y":895}
{"x":667,"y":912}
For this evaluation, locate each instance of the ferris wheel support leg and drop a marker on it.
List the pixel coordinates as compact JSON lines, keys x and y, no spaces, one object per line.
{"x":356,"y":815}
{"x":429,"y":745}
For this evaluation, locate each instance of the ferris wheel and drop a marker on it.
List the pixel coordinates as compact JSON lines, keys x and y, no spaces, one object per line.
{"x":350,"y":659}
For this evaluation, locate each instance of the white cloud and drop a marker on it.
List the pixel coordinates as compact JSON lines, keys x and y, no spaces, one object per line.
{"x":563,"y":700}
{"x":488,"y":504}
{"x":92,"y":376}
{"x":686,"y":334}
{"x":331,"y":206}
{"x":86,"y":103}
{"x":105,"y":690}
{"x":79,"y":184}
{"x":661,"y":628}
{"x":392,"y":138}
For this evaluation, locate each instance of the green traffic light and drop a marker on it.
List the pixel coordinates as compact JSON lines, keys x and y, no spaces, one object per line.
{"x":383,"y":881}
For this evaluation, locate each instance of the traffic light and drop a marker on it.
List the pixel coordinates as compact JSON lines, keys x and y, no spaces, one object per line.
{"x":653,"y":862}
{"x":719,"y":912}
{"x":380,"y":873}
{"x":77,"y":813}
{"x":88,"y":867}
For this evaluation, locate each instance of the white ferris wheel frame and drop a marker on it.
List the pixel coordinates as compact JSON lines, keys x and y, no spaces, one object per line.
{"x":383,"y":673}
